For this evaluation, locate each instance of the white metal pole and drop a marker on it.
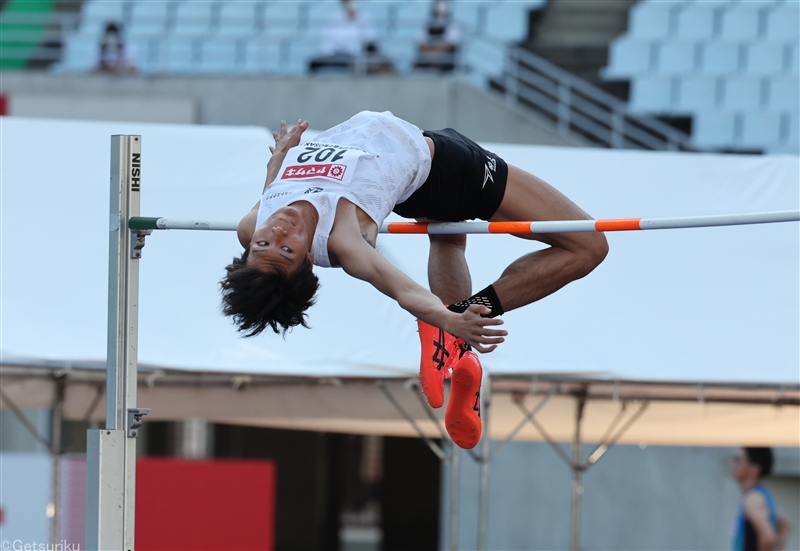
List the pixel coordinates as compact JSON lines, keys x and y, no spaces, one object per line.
{"x":483,"y":498}
{"x":577,"y":470}
{"x":455,"y":486}
{"x":111,"y":452}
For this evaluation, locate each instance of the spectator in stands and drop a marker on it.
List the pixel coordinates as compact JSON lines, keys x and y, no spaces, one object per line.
{"x":348,"y":42}
{"x":115,"y":56}
{"x":758,"y":526}
{"x":439,"y":40}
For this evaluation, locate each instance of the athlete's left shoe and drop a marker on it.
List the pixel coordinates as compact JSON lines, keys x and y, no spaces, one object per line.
{"x":440,"y":351}
{"x":463,"y":416}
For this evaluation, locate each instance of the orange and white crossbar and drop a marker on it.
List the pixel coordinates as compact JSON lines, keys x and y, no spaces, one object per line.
{"x":517,"y":228}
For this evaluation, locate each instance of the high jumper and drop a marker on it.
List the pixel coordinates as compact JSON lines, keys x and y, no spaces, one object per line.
{"x":323,"y":203}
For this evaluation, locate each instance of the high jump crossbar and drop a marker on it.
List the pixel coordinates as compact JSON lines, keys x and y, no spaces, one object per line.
{"x":518,"y":228}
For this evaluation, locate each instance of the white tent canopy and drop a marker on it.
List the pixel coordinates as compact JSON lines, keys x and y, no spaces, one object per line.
{"x":687,"y":310}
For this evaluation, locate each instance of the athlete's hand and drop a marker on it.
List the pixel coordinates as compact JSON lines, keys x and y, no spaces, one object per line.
{"x":477,"y":330}
{"x":288,"y":139}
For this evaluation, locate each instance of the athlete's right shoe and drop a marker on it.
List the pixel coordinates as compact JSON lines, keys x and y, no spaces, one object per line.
{"x":440,"y":351}
{"x":463,"y":416}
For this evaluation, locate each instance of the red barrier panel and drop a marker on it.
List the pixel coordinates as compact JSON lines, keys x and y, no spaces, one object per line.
{"x":3,"y":105}
{"x":201,"y":505}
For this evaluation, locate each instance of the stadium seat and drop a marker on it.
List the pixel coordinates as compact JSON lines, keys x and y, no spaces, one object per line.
{"x":794,"y":60}
{"x":628,"y":57}
{"x":784,"y":94}
{"x":149,"y":18}
{"x":240,"y":19}
{"x":766,"y":58}
{"x":741,"y":21}
{"x":650,"y":20}
{"x":743,"y":93}
{"x":698,"y":93}
{"x":95,"y":14}
{"x":676,"y":57}
{"x":319,"y":14}
{"x":283,"y":17}
{"x":782,"y":22}
{"x":401,"y":51}
{"x":193,"y":19}
{"x":695,"y":21}
{"x":651,"y":94}
{"x":714,"y":129}
{"x":220,"y":55}
{"x":78,"y":56}
{"x":721,"y":58}
{"x":178,"y":55}
{"x":507,"y":21}
{"x":760,"y":129}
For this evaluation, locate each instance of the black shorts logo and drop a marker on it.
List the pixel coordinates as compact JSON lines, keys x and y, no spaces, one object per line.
{"x":491,"y":166}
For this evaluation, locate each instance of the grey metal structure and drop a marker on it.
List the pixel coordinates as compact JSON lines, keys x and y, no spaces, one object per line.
{"x":111,"y":452}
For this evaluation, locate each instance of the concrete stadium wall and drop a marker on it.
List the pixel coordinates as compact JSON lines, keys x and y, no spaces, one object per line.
{"x":324,"y":101}
{"x":654,"y":498}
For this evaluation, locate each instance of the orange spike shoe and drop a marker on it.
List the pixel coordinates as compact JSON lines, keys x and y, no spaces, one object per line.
{"x":463,"y":416}
{"x":440,"y":351}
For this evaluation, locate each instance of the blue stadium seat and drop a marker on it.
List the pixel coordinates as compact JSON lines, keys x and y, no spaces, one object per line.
{"x":193,"y":19}
{"x":782,"y":22}
{"x":760,"y":129}
{"x":283,"y":17}
{"x":178,"y":55}
{"x":651,"y":20}
{"x":79,"y":55}
{"x":714,"y":129}
{"x":507,"y":21}
{"x":784,"y":94}
{"x":695,"y":21}
{"x":240,"y":19}
{"x":721,"y":58}
{"x":741,"y":21}
{"x":219,"y":55}
{"x":743,"y":93}
{"x":766,"y":58}
{"x":794,"y":60}
{"x":651,"y":94}
{"x":95,"y":14}
{"x":149,"y":18}
{"x":628,"y":57}
{"x":677,"y":57}
{"x":698,"y":93}
{"x":264,"y":55}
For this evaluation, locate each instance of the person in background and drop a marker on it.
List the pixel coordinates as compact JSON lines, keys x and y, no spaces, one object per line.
{"x":758,"y":525}
{"x":348,"y":40}
{"x":114,"y":56}
{"x":439,"y":40}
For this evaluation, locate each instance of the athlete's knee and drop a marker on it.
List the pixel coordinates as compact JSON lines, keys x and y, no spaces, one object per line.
{"x":594,"y":251}
{"x":458,"y":241}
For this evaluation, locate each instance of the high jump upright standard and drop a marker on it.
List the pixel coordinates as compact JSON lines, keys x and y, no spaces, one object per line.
{"x":111,"y":452}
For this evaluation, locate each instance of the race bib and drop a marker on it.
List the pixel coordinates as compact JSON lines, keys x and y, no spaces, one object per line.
{"x":335,"y":163}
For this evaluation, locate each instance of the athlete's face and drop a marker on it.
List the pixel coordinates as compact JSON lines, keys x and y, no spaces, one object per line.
{"x":280,"y":243}
{"x":741,"y":467}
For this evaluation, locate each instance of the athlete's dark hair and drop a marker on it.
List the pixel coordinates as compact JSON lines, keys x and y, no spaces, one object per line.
{"x":761,"y":457}
{"x":258,"y":299}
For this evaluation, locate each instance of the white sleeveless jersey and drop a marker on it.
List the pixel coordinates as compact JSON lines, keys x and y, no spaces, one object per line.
{"x":374,"y":160}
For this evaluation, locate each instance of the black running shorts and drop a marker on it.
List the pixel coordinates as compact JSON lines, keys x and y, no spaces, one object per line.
{"x":465,"y":182}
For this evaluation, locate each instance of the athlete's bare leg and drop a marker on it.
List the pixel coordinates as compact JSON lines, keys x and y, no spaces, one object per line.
{"x":448,"y":273}
{"x":570,"y":256}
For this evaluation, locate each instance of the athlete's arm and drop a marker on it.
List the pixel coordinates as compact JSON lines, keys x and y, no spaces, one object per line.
{"x":284,"y":141}
{"x":784,"y":529}
{"x":361,"y":261}
{"x":755,"y":509}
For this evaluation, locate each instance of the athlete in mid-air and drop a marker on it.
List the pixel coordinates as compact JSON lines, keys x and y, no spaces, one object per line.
{"x":323,"y":203}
